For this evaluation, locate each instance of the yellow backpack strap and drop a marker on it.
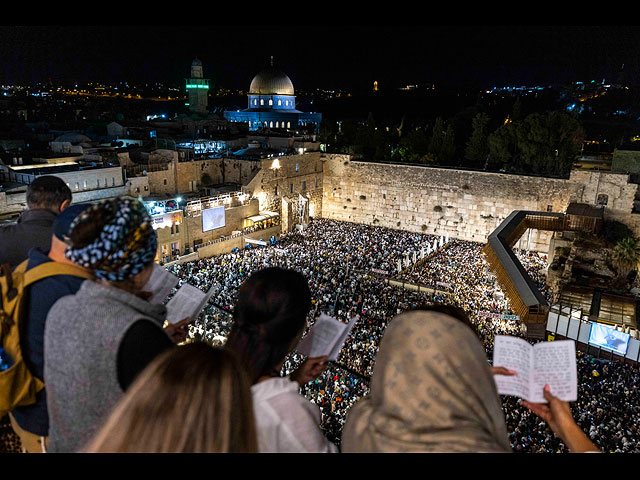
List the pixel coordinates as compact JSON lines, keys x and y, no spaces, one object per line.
{"x":49,"y":269}
{"x":21,"y":267}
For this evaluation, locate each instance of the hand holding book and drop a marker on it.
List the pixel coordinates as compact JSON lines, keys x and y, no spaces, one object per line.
{"x":552,"y":363}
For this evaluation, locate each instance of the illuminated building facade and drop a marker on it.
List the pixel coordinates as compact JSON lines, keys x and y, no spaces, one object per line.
{"x":198,"y":89}
{"x":272,"y":104}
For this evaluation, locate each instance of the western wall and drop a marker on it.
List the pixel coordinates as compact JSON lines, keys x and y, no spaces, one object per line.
{"x":464,"y":204}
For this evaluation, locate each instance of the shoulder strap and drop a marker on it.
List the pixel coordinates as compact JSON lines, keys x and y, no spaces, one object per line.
{"x":21,"y":267}
{"x":49,"y":269}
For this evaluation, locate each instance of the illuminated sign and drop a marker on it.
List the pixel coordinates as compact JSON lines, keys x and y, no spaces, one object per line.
{"x":167,"y":219}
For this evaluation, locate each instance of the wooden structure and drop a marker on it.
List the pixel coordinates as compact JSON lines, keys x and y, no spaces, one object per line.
{"x":584,"y":217}
{"x":526,"y":300}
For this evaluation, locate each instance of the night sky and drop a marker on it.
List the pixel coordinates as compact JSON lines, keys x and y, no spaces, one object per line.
{"x":340,"y":56}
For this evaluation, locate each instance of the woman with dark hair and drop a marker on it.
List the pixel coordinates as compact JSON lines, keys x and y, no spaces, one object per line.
{"x":99,"y":339}
{"x":269,"y":320}
{"x":190,"y":399}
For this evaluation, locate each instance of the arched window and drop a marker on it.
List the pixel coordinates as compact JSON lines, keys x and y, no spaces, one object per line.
{"x":277,"y":124}
{"x":603,"y":199}
{"x":262,"y":101}
{"x":288,"y":124}
{"x":279,"y":102}
{"x":271,"y":102}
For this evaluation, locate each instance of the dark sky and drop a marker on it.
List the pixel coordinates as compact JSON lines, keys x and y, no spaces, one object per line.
{"x":341,"y":55}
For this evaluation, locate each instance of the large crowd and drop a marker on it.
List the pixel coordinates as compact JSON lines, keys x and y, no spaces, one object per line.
{"x":233,"y":380}
{"x":342,"y":262}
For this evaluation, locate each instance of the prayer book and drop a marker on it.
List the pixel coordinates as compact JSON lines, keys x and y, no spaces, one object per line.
{"x":326,"y":337}
{"x":188,"y":301}
{"x":544,"y":363}
{"x":160,"y":284}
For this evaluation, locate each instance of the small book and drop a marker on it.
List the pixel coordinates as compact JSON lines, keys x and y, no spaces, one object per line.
{"x":544,"y":363}
{"x":160,"y":284}
{"x":188,"y":301}
{"x":326,"y":337}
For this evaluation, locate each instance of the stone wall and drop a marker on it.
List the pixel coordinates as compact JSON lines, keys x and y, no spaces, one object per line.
{"x":168,"y":176}
{"x":282,"y":181}
{"x":626,"y":161}
{"x":463,"y":204}
{"x":227,"y":245}
{"x":190,"y":230}
{"x":613,"y":190}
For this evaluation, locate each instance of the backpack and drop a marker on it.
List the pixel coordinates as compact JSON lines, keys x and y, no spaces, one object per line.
{"x":18,"y":386}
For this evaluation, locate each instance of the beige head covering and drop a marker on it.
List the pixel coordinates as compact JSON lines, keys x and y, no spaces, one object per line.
{"x":432,"y":391}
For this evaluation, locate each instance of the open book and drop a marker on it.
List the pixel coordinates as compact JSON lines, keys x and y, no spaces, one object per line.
{"x":161,"y":282}
{"x":326,"y":337}
{"x":188,"y":301}
{"x":552,"y":363}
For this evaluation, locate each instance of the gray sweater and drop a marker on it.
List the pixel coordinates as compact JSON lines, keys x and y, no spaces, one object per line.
{"x":82,"y":336}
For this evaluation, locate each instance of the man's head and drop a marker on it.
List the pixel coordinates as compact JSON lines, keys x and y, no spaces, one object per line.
{"x":50,"y":193}
{"x":61,"y":226}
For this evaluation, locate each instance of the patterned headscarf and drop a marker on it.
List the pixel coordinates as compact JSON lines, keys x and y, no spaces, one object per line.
{"x":432,"y":391}
{"x":126,"y":244}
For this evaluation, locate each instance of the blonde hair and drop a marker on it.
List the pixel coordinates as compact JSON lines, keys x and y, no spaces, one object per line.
{"x":191,"y":399}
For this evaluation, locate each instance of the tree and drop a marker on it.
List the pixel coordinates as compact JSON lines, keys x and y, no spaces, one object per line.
{"x":613,"y":231}
{"x":502,"y":147}
{"x":626,"y":256}
{"x":517,"y":110}
{"x":414,"y":147}
{"x":437,"y":138}
{"x":542,"y":143}
{"x":448,"y":149}
{"x":477,"y":148}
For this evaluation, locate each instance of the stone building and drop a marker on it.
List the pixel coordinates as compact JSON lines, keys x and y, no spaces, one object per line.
{"x":166,"y":175}
{"x":290,"y":185}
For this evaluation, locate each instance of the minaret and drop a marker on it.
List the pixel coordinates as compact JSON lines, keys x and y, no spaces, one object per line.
{"x":198,"y":89}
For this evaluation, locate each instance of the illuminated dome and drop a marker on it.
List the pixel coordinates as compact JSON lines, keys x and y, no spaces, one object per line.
{"x":271,"y":81}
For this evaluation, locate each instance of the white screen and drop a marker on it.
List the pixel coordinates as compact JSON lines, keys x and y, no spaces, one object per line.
{"x":609,"y":338}
{"x":212,"y":218}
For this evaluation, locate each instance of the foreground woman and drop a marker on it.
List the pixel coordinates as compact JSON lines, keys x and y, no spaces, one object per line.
{"x":191,"y":399}
{"x":98,"y":340}
{"x":269,"y":320}
{"x":433,"y":391}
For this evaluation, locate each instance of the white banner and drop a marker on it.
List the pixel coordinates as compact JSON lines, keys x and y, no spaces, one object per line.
{"x":377,"y":270}
{"x":257,"y":242}
{"x":502,"y":316}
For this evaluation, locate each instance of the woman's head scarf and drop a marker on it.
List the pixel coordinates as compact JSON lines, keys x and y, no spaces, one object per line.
{"x":432,"y":391}
{"x":125,"y":245}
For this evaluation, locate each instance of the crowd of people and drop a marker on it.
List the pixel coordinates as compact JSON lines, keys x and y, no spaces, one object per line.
{"x":236,"y":375}
{"x":341,"y":262}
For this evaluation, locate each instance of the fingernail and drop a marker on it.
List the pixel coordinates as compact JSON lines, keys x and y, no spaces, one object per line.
{"x":546,"y":387}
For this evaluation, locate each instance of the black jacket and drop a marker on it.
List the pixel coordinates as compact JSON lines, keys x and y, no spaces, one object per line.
{"x":32,"y":229}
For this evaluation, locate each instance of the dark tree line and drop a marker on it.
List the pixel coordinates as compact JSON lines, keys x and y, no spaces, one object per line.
{"x":543,"y":143}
